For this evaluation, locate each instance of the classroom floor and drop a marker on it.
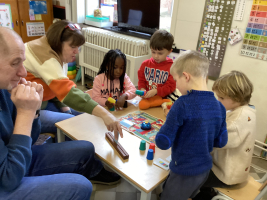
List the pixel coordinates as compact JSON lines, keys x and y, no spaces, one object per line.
{"x":125,"y":190}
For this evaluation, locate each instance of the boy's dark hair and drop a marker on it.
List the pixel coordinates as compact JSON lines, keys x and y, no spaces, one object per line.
{"x":161,"y":39}
{"x":59,"y":32}
{"x":108,"y":64}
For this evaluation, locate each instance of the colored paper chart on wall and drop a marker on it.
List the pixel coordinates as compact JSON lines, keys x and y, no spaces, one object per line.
{"x":5,"y":16}
{"x":255,"y":39}
{"x":215,"y":28}
{"x":35,"y":29}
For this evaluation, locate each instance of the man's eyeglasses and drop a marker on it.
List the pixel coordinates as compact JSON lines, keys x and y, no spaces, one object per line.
{"x":73,"y":27}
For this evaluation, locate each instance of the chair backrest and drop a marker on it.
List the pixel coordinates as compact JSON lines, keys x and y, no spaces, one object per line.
{"x":248,"y":190}
{"x":90,"y":92}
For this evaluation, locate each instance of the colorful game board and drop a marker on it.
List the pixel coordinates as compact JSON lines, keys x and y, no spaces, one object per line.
{"x":255,"y":40}
{"x":137,"y":118}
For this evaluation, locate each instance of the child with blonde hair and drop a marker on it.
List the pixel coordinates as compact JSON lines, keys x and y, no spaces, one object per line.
{"x":232,"y":162}
{"x":194,"y":125}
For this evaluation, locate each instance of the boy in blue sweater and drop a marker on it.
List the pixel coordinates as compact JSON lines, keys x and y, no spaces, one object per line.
{"x":194,"y":125}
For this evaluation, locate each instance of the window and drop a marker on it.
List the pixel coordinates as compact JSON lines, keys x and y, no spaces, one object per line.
{"x":166,"y":14}
{"x":166,"y":7}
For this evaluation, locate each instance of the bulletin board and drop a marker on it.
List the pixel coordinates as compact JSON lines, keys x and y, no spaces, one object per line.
{"x":5,"y":16}
{"x":214,"y":32}
{"x":255,"y":39}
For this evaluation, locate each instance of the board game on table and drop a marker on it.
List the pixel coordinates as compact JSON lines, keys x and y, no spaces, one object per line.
{"x":137,"y":118}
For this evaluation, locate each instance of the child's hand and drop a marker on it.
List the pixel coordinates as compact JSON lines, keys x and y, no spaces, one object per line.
{"x":151,"y":93}
{"x":109,"y":105}
{"x":166,"y":111}
{"x":120,"y":102}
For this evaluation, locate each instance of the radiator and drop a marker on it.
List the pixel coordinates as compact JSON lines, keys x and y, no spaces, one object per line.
{"x":98,"y":42}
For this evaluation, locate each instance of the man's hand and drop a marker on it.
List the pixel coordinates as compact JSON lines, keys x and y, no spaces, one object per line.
{"x":27,"y":99}
{"x":151,"y":93}
{"x":109,"y":105}
{"x":120,"y":102}
{"x":38,"y":87}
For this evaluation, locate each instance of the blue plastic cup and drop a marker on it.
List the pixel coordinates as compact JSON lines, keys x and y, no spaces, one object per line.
{"x":150,"y":154}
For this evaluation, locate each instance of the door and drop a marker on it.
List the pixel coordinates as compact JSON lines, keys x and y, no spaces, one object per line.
{"x":23,"y":6}
{"x":15,"y":14}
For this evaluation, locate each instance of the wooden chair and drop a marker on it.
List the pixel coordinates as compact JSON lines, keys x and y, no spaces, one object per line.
{"x":250,"y":190}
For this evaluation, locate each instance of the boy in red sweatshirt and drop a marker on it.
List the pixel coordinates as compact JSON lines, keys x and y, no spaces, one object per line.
{"x":154,"y":74}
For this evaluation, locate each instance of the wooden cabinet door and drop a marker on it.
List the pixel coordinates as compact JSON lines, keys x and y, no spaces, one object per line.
{"x":15,"y":14}
{"x":23,"y":6}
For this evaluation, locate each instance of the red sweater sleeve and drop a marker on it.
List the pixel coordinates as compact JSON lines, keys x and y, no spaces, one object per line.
{"x":167,"y":88}
{"x":141,"y":77}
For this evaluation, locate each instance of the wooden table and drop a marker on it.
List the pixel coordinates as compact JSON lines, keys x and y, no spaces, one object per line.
{"x":137,"y":170}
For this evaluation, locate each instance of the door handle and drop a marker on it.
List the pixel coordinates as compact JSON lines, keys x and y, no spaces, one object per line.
{"x":22,"y":23}
{"x":17,"y":22}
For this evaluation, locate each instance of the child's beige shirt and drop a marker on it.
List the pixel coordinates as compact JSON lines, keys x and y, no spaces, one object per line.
{"x":231,"y":163}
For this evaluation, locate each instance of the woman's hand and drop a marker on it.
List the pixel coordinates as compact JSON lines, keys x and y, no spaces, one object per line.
{"x":120,"y":102}
{"x":109,"y":105}
{"x":113,"y":124}
{"x":110,"y":121}
{"x":66,"y":109}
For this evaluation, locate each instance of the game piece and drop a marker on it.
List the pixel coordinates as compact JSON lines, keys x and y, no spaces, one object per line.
{"x":161,"y":163}
{"x":152,"y":146}
{"x":142,"y":145}
{"x":146,"y":125}
{"x":111,"y":100}
{"x":150,"y":154}
{"x":140,"y":92}
{"x":117,"y":146}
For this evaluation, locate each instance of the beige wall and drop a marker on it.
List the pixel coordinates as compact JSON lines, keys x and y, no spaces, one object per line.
{"x":186,"y":31}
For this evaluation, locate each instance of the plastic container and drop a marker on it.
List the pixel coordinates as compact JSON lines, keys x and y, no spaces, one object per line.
{"x":98,"y":24}
{"x":97,"y":19}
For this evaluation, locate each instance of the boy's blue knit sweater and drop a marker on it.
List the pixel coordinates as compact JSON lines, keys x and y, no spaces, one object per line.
{"x":194,"y":125}
{"x":15,"y":149}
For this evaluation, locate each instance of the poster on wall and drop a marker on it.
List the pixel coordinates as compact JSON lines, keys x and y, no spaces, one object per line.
{"x":215,"y":27}
{"x":255,"y":39}
{"x":39,"y":7}
{"x":5,"y":16}
{"x":35,"y":29}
